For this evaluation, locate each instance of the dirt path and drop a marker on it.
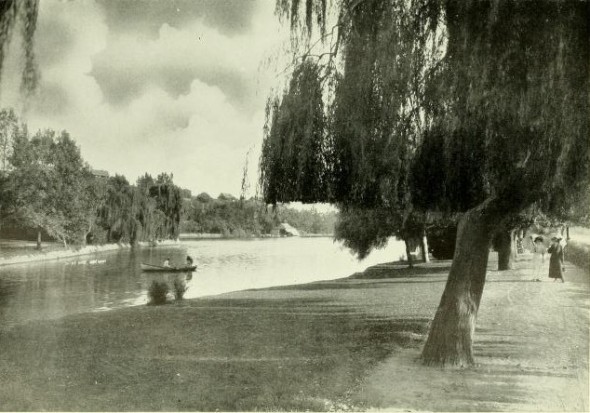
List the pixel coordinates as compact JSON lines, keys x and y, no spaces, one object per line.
{"x":531,"y":347}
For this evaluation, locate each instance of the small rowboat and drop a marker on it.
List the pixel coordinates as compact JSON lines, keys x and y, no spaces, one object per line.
{"x":159,"y":268}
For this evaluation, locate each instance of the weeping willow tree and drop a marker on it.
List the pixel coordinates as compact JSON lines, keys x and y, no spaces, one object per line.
{"x":16,"y":14}
{"x":152,"y":220}
{"x":145,"y":212}
{"x":295,"y":154}
{"x":13,"y":14}
{"x":168,"y":203}
{"x":118,"y":212}
{"x":361,"y":164}
{"x":476,"y":108}
{"x":517,"y":86}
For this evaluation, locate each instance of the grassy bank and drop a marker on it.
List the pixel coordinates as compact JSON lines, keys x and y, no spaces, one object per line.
{"x":334,"y":345}
{"x":263,"y":352}
{"x":578,"y":247}
{"x":579,"y":254}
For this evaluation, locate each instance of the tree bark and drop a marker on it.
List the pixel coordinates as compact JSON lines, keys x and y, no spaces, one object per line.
{"x":409,"y":254}
{"x":39,"y":240}
{"x":505,"y":250}
{"x":450,"y":339}
{"x":424,"y":248}
{"x":451,"y":333}
{"x":513,"y":246}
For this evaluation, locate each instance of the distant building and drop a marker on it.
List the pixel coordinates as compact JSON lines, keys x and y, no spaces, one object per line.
{"x":287,"y":230}
{"x":224,"y":196}
{"x":204,"y":197}
{"x":100,"y":173}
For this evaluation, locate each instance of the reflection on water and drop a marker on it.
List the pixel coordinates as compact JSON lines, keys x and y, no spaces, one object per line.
{"x":54,"y":289}
{"x":162,"y":287}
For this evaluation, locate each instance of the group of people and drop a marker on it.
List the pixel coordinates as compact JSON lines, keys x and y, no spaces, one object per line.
{"x":189,"y":262}
{"x":556,"y":258}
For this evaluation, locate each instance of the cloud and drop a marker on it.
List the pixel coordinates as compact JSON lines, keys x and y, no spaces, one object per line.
{"x":130,"y":64}
{"x":145,"y":17}
{"x":57,"y":39}
{"x":200,"y":138}
{"x":187,"y":101}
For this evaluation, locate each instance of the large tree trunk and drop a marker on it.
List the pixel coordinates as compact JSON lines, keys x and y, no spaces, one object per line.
{"x":514,"y":245}
{"x":506,"y":250}
{"x":451,"y":333}
{"x":409,"y":254}
{"x":424,"y":248}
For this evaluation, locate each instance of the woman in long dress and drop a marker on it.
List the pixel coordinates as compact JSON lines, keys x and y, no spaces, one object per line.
{"x":538,"y":257}
{"x":556,"y":260}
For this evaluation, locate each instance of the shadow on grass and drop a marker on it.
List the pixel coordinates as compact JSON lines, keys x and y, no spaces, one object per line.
{"x":217,"y":354}
{"x":345,"y":285}
{"x":403,"y":271}
{"x":514,"y":280}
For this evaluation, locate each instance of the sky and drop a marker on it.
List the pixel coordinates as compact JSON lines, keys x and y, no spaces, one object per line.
{"x":176,"y":86}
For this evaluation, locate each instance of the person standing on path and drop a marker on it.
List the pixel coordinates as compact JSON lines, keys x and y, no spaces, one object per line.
{"x":556,"y":260}
{"x":538,"y":257}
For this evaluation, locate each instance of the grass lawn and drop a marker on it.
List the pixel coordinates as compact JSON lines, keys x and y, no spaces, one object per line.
{"x":334,"y":345}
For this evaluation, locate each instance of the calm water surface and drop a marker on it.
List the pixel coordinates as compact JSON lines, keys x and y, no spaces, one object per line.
{"x":53,"y":289}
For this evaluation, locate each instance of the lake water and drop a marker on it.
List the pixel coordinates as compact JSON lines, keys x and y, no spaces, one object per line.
{"x":53,"y":289}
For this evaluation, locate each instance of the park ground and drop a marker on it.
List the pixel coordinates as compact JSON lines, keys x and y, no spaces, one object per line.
{"x":348,"y":344}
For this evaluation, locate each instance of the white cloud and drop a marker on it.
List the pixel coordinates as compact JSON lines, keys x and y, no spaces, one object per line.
{"x":201,"y":136}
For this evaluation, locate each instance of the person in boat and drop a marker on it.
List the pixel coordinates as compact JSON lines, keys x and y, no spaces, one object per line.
{"x":189,"y":261}
{"x":166,"y":263}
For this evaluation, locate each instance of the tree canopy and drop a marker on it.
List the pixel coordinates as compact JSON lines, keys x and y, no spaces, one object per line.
{"x":463,"y":96}
{"x":472,"y":107}
{"x":147,"y":211}
{"x":46,"y":185}
{"x":295,"y":152}
{"x":49,"y":185}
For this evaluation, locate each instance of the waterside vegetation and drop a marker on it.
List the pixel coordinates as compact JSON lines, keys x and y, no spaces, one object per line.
{"x":229,"y":217}
{"x":47,"y":190}
{"x":46,"y":186}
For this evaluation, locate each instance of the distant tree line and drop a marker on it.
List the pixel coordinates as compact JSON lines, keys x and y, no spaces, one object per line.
{"x":46,"y":186}
{"x":231,"y":217}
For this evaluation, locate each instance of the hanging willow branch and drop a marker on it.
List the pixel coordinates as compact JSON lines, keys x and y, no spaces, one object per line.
{"x":29,"y":11}
{"x":8,"y":12}
{"x":503,"y":83}
{"x":380,"y":90}
{"x":25,"y":13}
{"x":294,"y":159}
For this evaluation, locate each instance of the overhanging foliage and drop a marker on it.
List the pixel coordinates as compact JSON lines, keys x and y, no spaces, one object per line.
{"x":439,"y":106}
